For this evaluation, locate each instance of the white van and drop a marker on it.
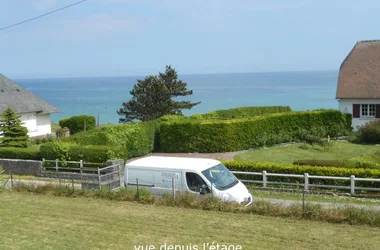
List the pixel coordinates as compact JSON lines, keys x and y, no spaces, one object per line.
{"x":192,"y":175}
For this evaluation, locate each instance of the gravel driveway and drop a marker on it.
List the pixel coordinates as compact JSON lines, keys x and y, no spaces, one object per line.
{"x":217,"y":156}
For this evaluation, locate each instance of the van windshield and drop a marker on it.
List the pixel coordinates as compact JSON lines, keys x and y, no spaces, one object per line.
{"x":220,"y":177}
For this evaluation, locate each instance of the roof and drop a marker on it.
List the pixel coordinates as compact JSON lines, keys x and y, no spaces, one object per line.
{"x":21,"y":100}
{"x":359,"y":73}
{"x":199,"y":164}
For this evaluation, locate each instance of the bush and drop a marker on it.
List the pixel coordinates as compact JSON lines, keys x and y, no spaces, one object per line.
{"x":69,"y":151}
{"x":370,"y":132}
{"x":243,"y":112}
{"x":186,"y":135}
{"x":20,"y":153}
{"x":300,"y":170}
{"x":348,"y":119}
{"x":78,"y":123}
{"x":137,"y":139}
{"x":37,"y":140}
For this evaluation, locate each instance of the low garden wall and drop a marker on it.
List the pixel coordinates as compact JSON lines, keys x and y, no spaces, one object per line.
{"x":21,"y":167}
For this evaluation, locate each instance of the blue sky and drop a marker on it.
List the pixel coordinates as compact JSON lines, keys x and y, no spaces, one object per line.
{"x":139,"y":37}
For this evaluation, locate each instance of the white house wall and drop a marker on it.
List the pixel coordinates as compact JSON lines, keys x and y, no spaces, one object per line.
{"x":37,"y":124}
{"x":345,"y":106}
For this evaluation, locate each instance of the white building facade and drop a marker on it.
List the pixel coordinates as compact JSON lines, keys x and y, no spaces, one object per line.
{"x":34,"y":112}
{"x":358,"y":90}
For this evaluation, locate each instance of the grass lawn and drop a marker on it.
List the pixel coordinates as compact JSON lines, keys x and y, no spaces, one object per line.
{"x":257,"y":193}
{"x":314,"y":197}
{"x":288,"y":154}
{"x":38,"y":221}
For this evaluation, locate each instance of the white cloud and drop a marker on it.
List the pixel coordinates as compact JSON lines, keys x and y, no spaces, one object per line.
{"x":44,"y":5}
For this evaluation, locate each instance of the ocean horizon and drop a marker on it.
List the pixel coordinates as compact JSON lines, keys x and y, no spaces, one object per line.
{"x":303,"y":90}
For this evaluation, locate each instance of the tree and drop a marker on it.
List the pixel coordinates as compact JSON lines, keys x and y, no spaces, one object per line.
{"x":11,"y":129}
{"x":152,"y":98}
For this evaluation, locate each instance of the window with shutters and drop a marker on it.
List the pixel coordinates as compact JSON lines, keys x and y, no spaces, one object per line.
{"x":367,"y":110}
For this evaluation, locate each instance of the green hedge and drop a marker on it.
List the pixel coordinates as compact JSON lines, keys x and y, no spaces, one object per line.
{"x":186,"y":135}
{"x":69,"y":151}
{"x":20,"y":153}
{"x":77,"y":123}
{"x":311,"y":170}
{"x":348,"y":118}
{"x":137,"y":139}
{"x":243,"y":112}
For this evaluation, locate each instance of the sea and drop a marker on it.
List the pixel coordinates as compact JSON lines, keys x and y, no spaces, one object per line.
{"x":103,"y":96}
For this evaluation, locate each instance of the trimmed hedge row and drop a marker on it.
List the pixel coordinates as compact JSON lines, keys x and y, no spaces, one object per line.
{"x":186,"y":135}
{"x":77,"y":123}
{"x":20,"y":153}
{"x":297,"y":169}
{"x":68,"y":151}
{"x":243,"y":112}
{"x":137,"y":139}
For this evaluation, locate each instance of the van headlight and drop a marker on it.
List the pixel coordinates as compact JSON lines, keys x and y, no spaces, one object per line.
{"x":247,"y":200}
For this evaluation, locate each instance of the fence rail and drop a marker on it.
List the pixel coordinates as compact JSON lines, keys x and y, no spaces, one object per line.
{"x":306,"y":181}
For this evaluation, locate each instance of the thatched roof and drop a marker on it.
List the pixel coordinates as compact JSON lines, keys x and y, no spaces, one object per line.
{"x":21,"y":100}
{"x":359,"y":75}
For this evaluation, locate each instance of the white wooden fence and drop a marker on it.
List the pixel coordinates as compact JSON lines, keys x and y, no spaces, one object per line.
{"x":90,"y":177}
{"x":306,"y":178}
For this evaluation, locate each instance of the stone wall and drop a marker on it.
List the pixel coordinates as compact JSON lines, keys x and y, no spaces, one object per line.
{"x":21,"y":167}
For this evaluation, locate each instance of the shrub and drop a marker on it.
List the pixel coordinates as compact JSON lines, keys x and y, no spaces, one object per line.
{"x":370,"y":132}
{"x":188,"y":135}
{"x":137,"y":139}
{"x":78,"y":123}
{"x":20,"y":153}
{"x":41,"y":139}
{"x":242,"y":112}
{"x":61,"y":132}
{"x":69,"y":151}
{"x":348,"y":119}
{"x":300,"y":170}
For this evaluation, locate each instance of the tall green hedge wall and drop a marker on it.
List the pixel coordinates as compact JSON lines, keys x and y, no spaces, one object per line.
{"x":187,"y":135}
{"x":243,"y":112}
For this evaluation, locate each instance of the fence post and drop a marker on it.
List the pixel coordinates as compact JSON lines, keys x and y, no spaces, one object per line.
{"x":43,"y":161}
{"x":173,"y":186}
{"x":137,"y":186}
{"x":11,"y":180}
{"x":306,"y":185}
{"x":100,"y":186}
{"x":118,"y":171}
{"x":352,"y":179}
{"x":264,"y":178}
{"x":56,"y":165}
{"x":81,"y":171}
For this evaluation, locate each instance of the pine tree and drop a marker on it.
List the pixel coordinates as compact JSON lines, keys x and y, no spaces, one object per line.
{"x":11,"y":129}
{"x":152,"y":98}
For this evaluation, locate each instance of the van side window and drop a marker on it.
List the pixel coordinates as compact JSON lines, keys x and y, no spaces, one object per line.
{"x":194,"y":181}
